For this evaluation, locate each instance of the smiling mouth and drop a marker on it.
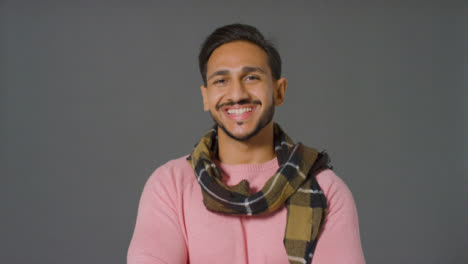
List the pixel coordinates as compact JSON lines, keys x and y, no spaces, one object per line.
{"x":238,"y":111}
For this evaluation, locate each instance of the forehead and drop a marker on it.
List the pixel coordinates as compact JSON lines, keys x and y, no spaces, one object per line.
{"x":237,"y":54}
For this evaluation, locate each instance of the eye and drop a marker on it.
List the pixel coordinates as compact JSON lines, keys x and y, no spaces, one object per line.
{"x":252,"y":77}
{"x":219,"y":81}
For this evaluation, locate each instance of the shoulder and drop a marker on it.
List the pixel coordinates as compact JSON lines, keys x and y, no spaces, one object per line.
{"x":335,"y":189}
{"x":329,"y":181}
{"x":175,"y":166}
{"x":173,"y":174}
{"x":340,"y":201}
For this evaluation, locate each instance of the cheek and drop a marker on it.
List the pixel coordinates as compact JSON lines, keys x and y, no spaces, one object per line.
{"x":265,"y":94}
{"x":214,"y":98}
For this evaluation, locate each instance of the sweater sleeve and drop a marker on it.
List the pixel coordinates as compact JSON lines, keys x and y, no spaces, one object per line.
{"x":158,"y":236}
{"x":339,"y":241}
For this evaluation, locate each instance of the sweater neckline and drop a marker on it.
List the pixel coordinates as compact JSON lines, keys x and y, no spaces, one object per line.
{"x":254,"y":167}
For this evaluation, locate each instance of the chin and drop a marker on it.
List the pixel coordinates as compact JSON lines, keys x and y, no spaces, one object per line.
{"x":245,"y":133}
{"x":242,"y":135}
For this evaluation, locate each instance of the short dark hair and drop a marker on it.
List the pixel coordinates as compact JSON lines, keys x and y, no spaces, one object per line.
{"x":233,"y":32}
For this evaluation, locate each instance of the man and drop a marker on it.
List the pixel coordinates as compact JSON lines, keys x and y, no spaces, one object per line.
{"x":247,"y":193}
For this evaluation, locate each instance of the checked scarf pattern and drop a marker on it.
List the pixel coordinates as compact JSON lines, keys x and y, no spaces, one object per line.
{"x":293,"y":184}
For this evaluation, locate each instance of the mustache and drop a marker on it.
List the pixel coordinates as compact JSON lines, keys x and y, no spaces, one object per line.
{"x":241,"y":102}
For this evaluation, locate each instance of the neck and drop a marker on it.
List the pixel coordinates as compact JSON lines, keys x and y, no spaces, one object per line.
{"x":258,"y":149}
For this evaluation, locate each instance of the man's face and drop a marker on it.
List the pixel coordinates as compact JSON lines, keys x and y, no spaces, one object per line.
{"x":241,"y":93}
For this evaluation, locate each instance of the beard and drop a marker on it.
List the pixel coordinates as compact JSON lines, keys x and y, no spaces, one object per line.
{"x":265,"y":119}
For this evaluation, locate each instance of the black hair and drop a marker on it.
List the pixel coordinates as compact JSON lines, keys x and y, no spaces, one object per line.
{"x":233,"y":32}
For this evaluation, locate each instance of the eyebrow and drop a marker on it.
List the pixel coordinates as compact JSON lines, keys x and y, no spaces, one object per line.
{"x":246,"y":69}
{"x":220,"y":72}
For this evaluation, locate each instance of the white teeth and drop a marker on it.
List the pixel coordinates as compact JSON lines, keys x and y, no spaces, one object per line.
{"x":239,"y":111}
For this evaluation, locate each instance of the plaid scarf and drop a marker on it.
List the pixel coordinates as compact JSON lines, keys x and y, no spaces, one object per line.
{"x":293,"y":184}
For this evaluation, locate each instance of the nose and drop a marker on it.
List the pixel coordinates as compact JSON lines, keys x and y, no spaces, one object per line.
{"x":237,"y":92}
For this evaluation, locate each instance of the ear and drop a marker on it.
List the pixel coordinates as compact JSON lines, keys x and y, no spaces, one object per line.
{"x":280,"y":91}
{"x":204,"y":92}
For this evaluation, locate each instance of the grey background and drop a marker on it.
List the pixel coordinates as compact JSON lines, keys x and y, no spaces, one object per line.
{"x":96,"y":95}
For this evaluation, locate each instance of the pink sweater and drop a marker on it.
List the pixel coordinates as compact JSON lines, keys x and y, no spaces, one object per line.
{"x":174,"y":227}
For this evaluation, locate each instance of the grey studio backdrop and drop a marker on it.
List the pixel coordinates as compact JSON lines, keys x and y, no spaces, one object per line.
{"x":96,"y":94}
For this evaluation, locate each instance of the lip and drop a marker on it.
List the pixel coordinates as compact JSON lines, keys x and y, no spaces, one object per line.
{"x":239,"y":117}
